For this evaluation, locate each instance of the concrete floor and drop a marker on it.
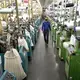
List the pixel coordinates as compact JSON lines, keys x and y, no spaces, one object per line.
{"x":45,"y":64}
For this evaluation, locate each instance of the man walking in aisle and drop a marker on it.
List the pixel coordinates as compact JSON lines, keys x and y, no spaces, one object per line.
{"x":46,"y":28}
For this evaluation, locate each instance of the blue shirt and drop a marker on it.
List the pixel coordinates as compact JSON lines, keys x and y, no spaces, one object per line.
{"x":46,"y":26}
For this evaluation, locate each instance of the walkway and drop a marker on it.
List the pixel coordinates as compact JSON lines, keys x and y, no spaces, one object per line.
{"x":45,"y":64}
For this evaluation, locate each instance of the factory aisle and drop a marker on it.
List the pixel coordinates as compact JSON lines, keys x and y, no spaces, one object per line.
{"x":44,"y":65}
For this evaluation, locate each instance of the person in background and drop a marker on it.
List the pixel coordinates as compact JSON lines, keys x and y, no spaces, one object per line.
{"x":46,"y":28}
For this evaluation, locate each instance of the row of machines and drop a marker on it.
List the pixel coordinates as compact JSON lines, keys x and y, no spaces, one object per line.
{"x":17,"y":43}
{"x":66,"y":35}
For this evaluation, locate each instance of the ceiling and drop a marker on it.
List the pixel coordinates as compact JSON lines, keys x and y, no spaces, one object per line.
{"x":45,"y":3}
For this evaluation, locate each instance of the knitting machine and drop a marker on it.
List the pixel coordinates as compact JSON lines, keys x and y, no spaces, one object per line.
{"x":72,"y":66}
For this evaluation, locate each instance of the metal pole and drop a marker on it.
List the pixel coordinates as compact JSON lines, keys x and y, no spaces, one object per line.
{"x":17,"y":13}
{"x":1,"y":29}
{"x":64,"y":12}
{"x":32,"y":8}
{"x":0,"y":23}
{"x":75,"y":23}
{"x":11,"y":1}
{"x":29,"y":9}
{"x":5,"y":16}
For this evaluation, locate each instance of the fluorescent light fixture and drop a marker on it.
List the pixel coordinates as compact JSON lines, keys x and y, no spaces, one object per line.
{"x":19,"y":1}
{"x":7,"y":10}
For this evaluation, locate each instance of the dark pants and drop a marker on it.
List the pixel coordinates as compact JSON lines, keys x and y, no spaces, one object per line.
{"x":46,"y":36}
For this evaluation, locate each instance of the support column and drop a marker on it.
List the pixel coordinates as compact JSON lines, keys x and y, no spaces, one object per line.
{"x":1,"y":30}
{"x":0,"y":22}
{"x":17,"y":12}
{"x":29,"y":9}
{"x":5,"y":15}
{"x":32,"y":8}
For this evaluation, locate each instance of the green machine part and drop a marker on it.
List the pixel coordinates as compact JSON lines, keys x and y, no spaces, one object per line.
{"x":24,"y":57}
{"x":53,"y":29}
{"x":37,"y":30}
{"x":36,"y":35}
{"x":58,"y":34}
{"x":58,"y":38}
{"x":54,"y":32}
{"x":72,"y":66}
{"x":38,"y":21}
{"x":62,"y":51}
{"x":37,"y":24}
{"x":32,"y":33}
{"x":28,"y":40}
{"x":29,"y":45}
{"x":72,"y":63}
